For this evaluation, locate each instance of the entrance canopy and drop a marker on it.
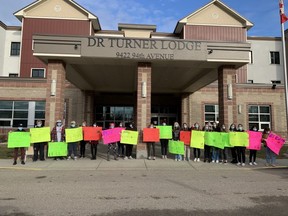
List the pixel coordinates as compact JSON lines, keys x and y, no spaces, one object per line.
{"x":109,"y":64}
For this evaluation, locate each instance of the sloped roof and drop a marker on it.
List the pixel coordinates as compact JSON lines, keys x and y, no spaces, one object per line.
{"x":95,"y":21}
{"x":246,"y":23}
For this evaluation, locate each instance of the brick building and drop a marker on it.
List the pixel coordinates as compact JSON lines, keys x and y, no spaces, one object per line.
{"x":60,"y":64}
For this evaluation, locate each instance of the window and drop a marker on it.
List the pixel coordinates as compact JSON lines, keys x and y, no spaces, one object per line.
{"x":276,"y":81}
{"x":38,"y":73}
{"x":260,"y":117}
{"x":15,"y":49}
{"x":12,"y":113}
{"x":250,"y":81}
{"x":275,"y":57}
{"x":13,"y":75}
{"x":211,"y":113}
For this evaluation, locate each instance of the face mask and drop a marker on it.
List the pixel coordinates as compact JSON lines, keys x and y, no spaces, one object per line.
{"x":120,"y":125}
{"x":254,"y":129}
{"x":84,"y":125}
{"x":232,"y":127}
{"x":131,"y":126}
{"x":223,"y":127}
{"x":151,"y":126}
{"x":214,"y":125}
{"x":185,"y":126}
{"x":58,"y":124}
{"x":206,"y":127}
{"x":39,"y":125}
{"x":20,"y":128}
{"x":197,"y":126}
{"x":94,"y":125}
{"x":164,"y":124}
{"x":72,"y":125}
{"x":240,"y":128}
{"x":268,"y":132}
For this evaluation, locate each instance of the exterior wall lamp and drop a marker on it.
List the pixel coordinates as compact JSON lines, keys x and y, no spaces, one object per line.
{"x":53,"y":88}
{"x":229,"y":92}
{"x":144,"y":89}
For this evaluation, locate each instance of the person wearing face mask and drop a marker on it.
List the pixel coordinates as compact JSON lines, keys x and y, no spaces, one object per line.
{"x":215,"y":150}
{"x":83,"y":144}
{"x":72,"y":146}
{"x":207,"y":148}
{"x":186,"y":146}
{"x":121,"y":147}
{"x":22,"y":149}
{"x":240,"y":150}
{"x":164,"y":144}
{"x":129,"y":148}
{"x":223,"y":152}
{"x":58,"y":135}
{"x":233,"y":149}
{"x":252,"y":152}
{"x":270,"y":155}
{"x":94,"y":146}
{"x":38,"y":147}
{"x":112,"y":146}
{"x":176,"y":137}
{"x":149,"y":145}
{"x":197,"y":151}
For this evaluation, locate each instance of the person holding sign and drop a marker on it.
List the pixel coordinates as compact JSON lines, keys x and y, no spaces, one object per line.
{"x":187,"y":146}
{"x":233,"y":149}
{"x":164,"y":144}
{"x":149,"y":144}
{"x":129,"y":148}
{"x":253,"y":152}
{"x":58,"y":135}
{"x":270,"y":155}
{"x":121,"y":146}
{"x":207,"y":148}
{"x":196,"y":151}
{"x":112,"y":146}
{"x":22,"y":149}
{"x":39,"y":147}
{"x":94,"y":146}
{"x":176,"y":137}
{"x":240,"y":149}
{"x":82,"y":144}
{"x":72,"y":146}
{"x":215,"y":150}
{"x":223,"y":152}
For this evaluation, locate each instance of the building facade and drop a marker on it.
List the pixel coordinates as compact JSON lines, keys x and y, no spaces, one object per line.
{"x":60,"y":64}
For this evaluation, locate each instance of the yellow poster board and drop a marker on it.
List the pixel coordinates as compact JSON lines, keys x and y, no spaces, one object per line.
{"x":40,"y":134}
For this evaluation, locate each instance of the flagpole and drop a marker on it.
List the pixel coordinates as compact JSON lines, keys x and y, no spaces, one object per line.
{"x":285,"y":72}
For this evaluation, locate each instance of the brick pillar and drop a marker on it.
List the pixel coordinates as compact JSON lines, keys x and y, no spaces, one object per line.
{"x":143,"y":105}
{"x":185,"y":115}
{"x":227,"y":106}
{"x":55,"y":103}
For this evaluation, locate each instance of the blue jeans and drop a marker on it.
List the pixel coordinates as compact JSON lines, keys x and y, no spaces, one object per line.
{"x":215,"y":154}
{"x":178,"y":157}
{"x":270,"y":156}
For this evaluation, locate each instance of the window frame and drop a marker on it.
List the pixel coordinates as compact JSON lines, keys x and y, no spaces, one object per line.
{"x":44,"y":72}
{"x":216,"y":113}
{"x":275,"y":60}
{"x":15,"y":51}
{"x":259,"y":123}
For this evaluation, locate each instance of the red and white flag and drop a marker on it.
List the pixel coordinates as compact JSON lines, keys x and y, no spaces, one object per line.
{"x":283,"y":17}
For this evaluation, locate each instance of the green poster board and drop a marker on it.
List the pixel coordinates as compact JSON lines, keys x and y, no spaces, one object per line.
{"x":57,"y":149}
{"x":176,"y":147}
{"x":165,"y":132}
{"x":40,"y":135}
{"x":240,"y":139}
{"x":129,"y":137}
{"x":18,"y":139}
{"x":225,"y":140}
{"x":214,"y":139}
{"x":197,"y":139}
{"x":73,"y":134}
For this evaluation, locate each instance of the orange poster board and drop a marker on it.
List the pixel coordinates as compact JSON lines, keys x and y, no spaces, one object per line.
{"x":185,"y":136}
{"x":92,"y":133}
{"x":151,"y":135}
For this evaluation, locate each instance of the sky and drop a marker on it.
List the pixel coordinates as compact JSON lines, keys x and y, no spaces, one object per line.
{"x":165,"y":14}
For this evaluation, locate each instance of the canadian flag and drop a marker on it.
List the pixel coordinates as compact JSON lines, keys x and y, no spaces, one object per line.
{"x":283,"y":17}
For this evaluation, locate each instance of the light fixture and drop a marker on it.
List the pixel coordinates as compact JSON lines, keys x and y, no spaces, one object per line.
{"x":229,"y":92}
{"x":239,"y":109}
{"x":53,"y":88}
{"x":144,"y":89}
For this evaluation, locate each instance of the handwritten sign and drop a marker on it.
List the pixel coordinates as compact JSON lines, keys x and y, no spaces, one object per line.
{"x":151,"y":135}
{"x":73,"y":134}
{"x":92,"y":133}
{"x":185,"y":136}
{"x":254,"y":140}
{"x":240,"y":139}
{"x":275,"y":142}
{"x":176,"y":147}
{"x":57,"y":149}
{"x":225,"y":140}
{"x":197,"y":139}
{"x":111,"y":135}
{"x":18,"y":139}
{"x":129,"y":137}
{"x":40,"y":134}
{"x":165,"y":132}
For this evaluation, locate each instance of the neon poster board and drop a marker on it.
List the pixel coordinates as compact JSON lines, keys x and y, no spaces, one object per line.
{"x":39,"y":135}
{"x":213,"y":139}
{"x":165,"y":132}
{"x":239,"y":139}
{"x":225,"y":140}
{"x":275,"y":142}
{"x":129,"y":137}
{"x":176,"y":147}
{"x":57,"y":149}
{"x":185,"y":136}
{"x":151,"y":135}
{"x":255,"y":139}
{"x":197,"y":139}
{"x":92,"y":133}
{"x":19,"y":139}
{"x":73,"y":134}
{"x":111,"y":135}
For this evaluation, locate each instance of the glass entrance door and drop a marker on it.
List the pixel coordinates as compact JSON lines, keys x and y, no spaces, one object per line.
{"x":160,"y":114}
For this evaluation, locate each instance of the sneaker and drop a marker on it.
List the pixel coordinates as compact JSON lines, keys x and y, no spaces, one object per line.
{"x":198,"y":159}
{"x":69,"y":157}
{"x":217,"y":161}
{"x":75,"y":158}
{"x":254,"y":163}
{"x":125,"y":158}
{"x":22,"y":162}
{"x":267,"y":164}
{"x":163,"y":156}
{"x":15,"y":162}
{"x":273,"y":165}
{"x":225,"y":161}
{"x":243,"y":164}
{"x":130,"y":157}
{"x":238,"y":164}
{"x":116,"y":158}
{"x":251,"y":164}
{"x":154,"y":158}
{"x":195,"y":159}
{"x":213,"y":161}
{"x":149,"y":158}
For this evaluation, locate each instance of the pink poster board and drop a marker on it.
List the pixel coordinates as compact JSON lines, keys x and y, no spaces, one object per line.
{"x":111,"y":135}
{"x":275,"y":142}
{"x":254,"y":140}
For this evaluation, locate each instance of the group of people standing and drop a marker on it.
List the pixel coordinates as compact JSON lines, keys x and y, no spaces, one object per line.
{"x":117,"y":149}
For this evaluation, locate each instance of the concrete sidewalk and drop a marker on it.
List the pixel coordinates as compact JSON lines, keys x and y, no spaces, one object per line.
{"x":135,"y":164}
